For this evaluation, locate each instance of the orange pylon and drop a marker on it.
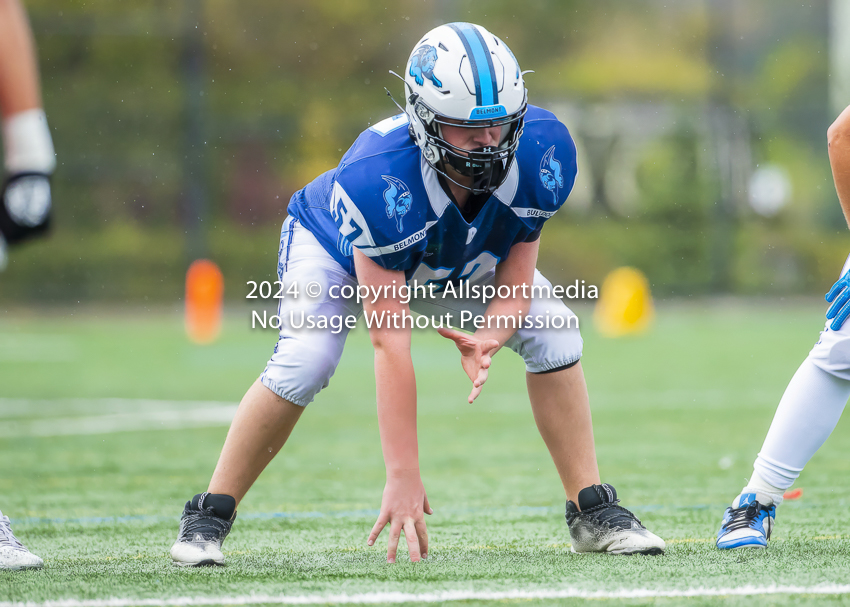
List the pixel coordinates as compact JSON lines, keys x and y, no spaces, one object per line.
{"x":204,"y":301}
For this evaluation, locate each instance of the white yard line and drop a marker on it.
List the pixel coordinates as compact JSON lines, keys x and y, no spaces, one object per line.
{"x":12,"y":407}
{"x":372,"y":598}
{"x":120,"y":415}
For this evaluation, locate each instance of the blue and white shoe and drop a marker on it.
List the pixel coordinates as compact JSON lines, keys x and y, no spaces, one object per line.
{"x":748,"y":522}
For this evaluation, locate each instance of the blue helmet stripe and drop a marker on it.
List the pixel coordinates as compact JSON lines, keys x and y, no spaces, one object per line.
{"x":486,"y":90}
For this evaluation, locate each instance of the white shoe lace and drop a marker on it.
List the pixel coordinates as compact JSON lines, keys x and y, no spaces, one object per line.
{"x":7,"y":538}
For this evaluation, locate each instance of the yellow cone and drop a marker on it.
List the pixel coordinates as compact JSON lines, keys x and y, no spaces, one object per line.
{"x":625,"y":304}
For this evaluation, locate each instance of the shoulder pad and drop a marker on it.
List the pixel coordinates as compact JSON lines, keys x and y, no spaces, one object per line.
{"x":547,"y":156}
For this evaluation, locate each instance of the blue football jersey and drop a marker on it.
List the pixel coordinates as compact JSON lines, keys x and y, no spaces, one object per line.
{"x":387,"y":201}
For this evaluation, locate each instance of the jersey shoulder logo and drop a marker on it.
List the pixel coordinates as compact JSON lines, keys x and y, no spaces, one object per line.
{"x":398,"y":199}
{"x":550,"y":173}
{"x":422,"y":65}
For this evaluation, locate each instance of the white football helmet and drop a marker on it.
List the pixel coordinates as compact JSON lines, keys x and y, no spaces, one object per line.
{"x":461,"y":74}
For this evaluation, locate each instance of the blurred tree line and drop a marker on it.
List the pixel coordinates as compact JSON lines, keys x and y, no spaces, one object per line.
{"x":156,"y":106}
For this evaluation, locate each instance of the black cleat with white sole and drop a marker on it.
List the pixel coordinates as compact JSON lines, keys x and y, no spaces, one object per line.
{"x":206,"y":521}
{"x":599,"y":524}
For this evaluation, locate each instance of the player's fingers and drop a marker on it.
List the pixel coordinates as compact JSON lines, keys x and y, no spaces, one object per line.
{"x":422,"y":534}
{"x":426,"y":507}
{"x":392,"y":546}
{"x":838,"y":303}
{"x":840,"y":318}
{"x":476,"y":390}
{"x":377,"y":528}
{"x":835,"y":290}
{"x":412,"y":538}
{"x":490,"y":345}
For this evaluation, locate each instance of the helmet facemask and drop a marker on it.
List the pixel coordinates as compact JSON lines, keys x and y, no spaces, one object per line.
{"x":487,"y":166}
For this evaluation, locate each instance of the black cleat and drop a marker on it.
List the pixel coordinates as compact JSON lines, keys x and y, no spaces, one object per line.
{"x":603,"y":526}
{"x":206,"y":521}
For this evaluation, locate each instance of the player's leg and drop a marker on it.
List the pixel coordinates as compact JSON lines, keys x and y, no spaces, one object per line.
{"x":560,"y":404}
{"x":28,"y":149}
{"x":260,"y":428}
{"x":807,"y":414}
{"x":559,"y":400}
{"x":19,"y":87}
{"x":561,"y":408}
{"x":13,"y":554}
{"x":302,"y":364}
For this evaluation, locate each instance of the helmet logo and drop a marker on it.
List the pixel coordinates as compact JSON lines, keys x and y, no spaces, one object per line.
{"x":550,"y":172}
{"x":422,"y":65}
{"x":398,"y":199}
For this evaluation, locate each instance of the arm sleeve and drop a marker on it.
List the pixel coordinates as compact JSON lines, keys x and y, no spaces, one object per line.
{"x":365,"y":225}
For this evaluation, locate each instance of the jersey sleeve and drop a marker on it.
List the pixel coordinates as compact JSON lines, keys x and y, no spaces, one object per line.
{"x":548,"y":162}
{"x":535,"y":233}
{"x":375,"y":214}
{"x":555,"y":157}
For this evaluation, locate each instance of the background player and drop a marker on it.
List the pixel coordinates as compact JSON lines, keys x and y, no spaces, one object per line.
{"x":29,"y":160}
{"x":457,"y":187}
{"x":27,"y":147}
{"x":813,"y":401}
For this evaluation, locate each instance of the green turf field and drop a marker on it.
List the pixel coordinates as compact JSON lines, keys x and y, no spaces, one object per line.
{"x":102,"y":441}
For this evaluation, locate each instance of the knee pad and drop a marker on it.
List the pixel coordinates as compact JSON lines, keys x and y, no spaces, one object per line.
{"x":553,"y":338}
{"x":832,"y":352}
{"x":300,"y":368}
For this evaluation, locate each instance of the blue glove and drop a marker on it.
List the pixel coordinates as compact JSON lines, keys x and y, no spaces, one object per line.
{"x":839,"y":296}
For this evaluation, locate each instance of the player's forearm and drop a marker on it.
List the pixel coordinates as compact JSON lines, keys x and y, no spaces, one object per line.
{"x":396,"y":395}
{"x":838,"y":137}
{"x":19,"y":88}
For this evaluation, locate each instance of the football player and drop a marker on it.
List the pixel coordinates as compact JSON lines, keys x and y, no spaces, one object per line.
{"x":27,"y":147}
{"x":29,"y":160}
{"x":454,"y":189}
{"x":813,"y":401}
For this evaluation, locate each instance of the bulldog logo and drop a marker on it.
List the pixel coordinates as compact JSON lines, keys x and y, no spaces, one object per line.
{"x":398,"y":199}
{"x":550,"y":173}
{"x":422,"y":65}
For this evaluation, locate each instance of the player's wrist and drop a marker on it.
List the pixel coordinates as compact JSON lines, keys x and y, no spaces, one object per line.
{"x":407,"y":472}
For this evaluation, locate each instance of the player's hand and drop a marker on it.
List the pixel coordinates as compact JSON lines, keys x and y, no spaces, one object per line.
{"x":839,"y":296}
{"x":475,"y":357}
{"x":25,"y":206}
{"x":403,"y":508}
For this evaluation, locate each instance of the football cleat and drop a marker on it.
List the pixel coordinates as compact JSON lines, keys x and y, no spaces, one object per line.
{"x":599,"y":524}
{"x":13,"y":555}
{"x":205,"y":522}
{"x":748,"y":522}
